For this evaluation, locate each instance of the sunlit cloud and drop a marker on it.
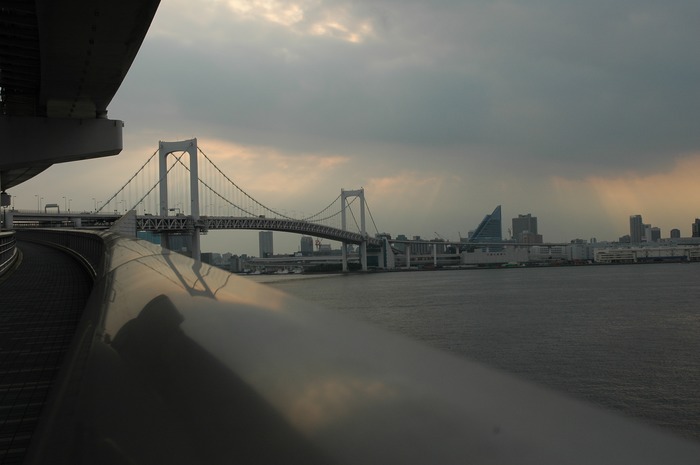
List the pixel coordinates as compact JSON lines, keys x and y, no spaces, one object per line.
{"x":661,"y":198}
{"x":310,"y":17}
{"x":275,"y":11}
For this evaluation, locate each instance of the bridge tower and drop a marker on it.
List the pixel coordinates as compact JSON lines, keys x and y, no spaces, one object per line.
{"x":344,"y":195}
{"x":165,"y":149}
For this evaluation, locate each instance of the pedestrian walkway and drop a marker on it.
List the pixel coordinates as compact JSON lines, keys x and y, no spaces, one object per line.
{"x":41,"y":302}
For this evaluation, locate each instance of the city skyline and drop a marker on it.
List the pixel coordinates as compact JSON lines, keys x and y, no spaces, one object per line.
{"x":582,"y":114}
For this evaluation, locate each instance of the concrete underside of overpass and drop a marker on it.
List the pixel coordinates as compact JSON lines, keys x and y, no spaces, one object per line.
{"x":61,"y":63}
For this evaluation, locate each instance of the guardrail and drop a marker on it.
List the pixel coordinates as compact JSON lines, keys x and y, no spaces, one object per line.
{"x":177,"y":362}
{"x":8,"y":250}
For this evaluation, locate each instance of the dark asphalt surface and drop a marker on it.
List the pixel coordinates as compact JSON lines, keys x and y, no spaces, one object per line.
{"x":41,"y":302}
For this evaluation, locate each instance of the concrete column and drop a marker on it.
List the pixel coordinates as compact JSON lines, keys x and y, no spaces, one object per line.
{"x":344,"y":246}
{"x":363,"y":254}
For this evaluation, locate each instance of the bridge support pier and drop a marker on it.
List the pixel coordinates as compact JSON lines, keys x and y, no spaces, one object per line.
{"x":345,"y":256}
{"x":165,"y":149}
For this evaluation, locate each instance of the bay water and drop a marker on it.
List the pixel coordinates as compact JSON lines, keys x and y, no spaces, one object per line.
{"x":626,"y":337}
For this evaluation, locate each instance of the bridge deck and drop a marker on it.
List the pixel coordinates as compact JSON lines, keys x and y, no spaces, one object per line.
{"x":41,"y":302}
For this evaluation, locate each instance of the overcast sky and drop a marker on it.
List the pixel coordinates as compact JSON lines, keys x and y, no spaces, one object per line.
{"x":581,"y":113}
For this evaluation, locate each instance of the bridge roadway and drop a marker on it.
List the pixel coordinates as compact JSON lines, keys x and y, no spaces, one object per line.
{"x":184,"y":224}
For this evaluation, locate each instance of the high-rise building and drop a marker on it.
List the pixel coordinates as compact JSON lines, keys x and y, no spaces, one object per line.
{"x":489,"y":230}
{"x":696,"y":228}
{"x":524,"y":223}
{"x":636,"y":229}
{"x":675,"y":233}
{"x":525,"y":229}
{"x":655,"y":234}
{"x":307,"y":246}
{"x":265,"y":244}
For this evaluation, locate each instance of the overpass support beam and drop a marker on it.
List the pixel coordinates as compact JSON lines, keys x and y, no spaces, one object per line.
{"x":53,"y":140}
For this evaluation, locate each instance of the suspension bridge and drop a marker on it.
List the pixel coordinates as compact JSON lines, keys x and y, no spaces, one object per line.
{"x":179,"y":190}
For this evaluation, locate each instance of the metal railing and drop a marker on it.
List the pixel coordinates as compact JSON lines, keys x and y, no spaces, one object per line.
{"x":177,"y":362}
{"x":8,"y":250}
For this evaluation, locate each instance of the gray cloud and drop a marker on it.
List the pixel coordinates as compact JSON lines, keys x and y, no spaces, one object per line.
{"x":593,"y":84}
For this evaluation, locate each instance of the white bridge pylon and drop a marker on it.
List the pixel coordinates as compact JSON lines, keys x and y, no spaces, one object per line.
{"x":344,"y":195}
{"x":165,"y":149}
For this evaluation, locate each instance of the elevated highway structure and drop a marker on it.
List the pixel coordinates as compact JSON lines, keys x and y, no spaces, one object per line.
{"x":61,"y":63}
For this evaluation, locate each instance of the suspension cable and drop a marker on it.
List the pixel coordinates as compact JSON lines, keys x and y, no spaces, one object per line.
{"x":127,"y":183}
{"x":158,"y":183}
{"x":371,"y":217}
{"x":223,"y":198}
{"x":244,"y":192}
{"x":324,"y":210}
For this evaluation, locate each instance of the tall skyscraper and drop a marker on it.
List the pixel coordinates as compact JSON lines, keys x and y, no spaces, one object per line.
{"x":489,"y":230}
{"x":696,"y":228}
{"x":265,"y":244}
{"x":655,"y":234}
{"x":675,"y":233}
{"x":636,"y":229}
{"x":307,"y":245}
{"x":525,"y":229}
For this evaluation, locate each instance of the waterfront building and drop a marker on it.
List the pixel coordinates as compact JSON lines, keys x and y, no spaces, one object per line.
{"x":636,"y":229}
{"x":307,"y":246}
{"x":489,"y":230}
{"x":235,"y":264}
{"x":529,"y":238}
{"x":150,"y":236}
{"x":181,"y":243}
{"x":265,"y":244}
{"x":647,"y":254}
{"x":655,"y":234}
{"x":525,"y":229}
{"x":486,"y":257}
{"x":400,"y":246}
{"x":420,"y":247}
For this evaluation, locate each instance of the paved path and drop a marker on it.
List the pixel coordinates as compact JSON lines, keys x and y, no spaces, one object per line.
{"x":40,"y":305}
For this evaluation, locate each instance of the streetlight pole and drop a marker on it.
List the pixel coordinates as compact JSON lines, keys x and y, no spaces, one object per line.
{"x":37,"y":203}
{"x":69,"y":201}
{"x":65,"y":204}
